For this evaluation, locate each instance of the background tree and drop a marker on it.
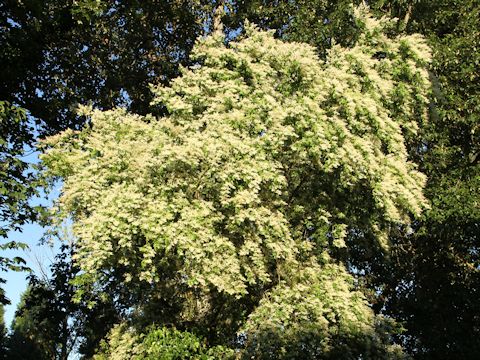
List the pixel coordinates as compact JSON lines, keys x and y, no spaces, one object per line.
{"x":22,"y":343}
{"x":16,"y":183}
{"x":318,"y":22}
{"x":49,"y":325}
{"x":441,"y":261}
{"x":56,"y":55}
{"x":3,"y":334}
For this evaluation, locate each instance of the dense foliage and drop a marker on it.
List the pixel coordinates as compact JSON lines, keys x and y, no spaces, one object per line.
{"x":442,"y":260}
{"x":233,"y":209}
{"x":49,"y":325}
{"x":161,"y":343}
{"x":56,"y":54}
{"x":431,"y":277}
{"x":15,"y":183}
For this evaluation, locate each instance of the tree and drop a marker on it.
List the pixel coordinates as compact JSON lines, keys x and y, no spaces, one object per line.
{"x":319,"y":22}
{"x":229,"y":215}
{"x":440,"y":308}
{"x":21,"y":343}
{"x":430,"y":278}
{"x":3,"y":334}
{"x":15,"y":183}
{"x":163,"y":343}
{"x":48,"y":324}
{"x":56,"y":55}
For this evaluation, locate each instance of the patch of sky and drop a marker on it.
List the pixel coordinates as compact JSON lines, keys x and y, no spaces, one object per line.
{"x":232,"y":34}
{"x":125,"y":98}
{"x":39,"y":93}
{"x":38,"y":256}
{"x":13,"y":23}
{"x":111,"y":11}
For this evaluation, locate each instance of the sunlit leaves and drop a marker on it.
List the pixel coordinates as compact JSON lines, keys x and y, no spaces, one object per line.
{"x":267,"y":160}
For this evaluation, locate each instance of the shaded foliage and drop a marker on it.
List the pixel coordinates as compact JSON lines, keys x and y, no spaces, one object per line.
{"x":57,"y":54}
{"x":48,"y":324}
{"x":3,"y":334}
{"x":442,"y":260}
{"x":16,"y":185}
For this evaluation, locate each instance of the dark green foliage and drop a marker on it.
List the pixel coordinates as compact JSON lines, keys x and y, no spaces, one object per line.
{"x":318,"y":22}
{"x":440,"y":307}
{"x":15,"y":182}
{"x":15,"y":133}
{"x":3,"y":334}
{"x":15,"y":264}
{"x":49,"y":325}
{"x":21,"y":343}
{"x":57,"y":54}
{"x":308,"y":344}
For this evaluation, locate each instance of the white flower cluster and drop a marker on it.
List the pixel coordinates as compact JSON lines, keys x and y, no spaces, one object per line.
{"x":268,"y":157}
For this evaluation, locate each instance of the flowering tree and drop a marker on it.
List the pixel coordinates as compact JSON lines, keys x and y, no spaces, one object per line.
{"x":231,"y":214}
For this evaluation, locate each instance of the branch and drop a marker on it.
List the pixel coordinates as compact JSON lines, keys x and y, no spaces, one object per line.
{"x":217,"y":18}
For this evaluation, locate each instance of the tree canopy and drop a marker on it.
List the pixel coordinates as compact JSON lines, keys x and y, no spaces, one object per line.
{"x":230,"y":213}
{"x":420,"y":269}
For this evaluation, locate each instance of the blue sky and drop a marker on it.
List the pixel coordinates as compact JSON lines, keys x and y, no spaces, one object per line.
{"x":38,"y":257}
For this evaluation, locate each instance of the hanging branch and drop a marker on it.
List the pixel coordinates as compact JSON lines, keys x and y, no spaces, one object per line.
{"x":217,"y":17}
{"x":406,"y":19}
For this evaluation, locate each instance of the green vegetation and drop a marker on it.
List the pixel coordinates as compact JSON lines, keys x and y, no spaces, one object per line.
{"x":234,"y":208}
{"x":265,"y":198}
{"x":162,"y":343}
